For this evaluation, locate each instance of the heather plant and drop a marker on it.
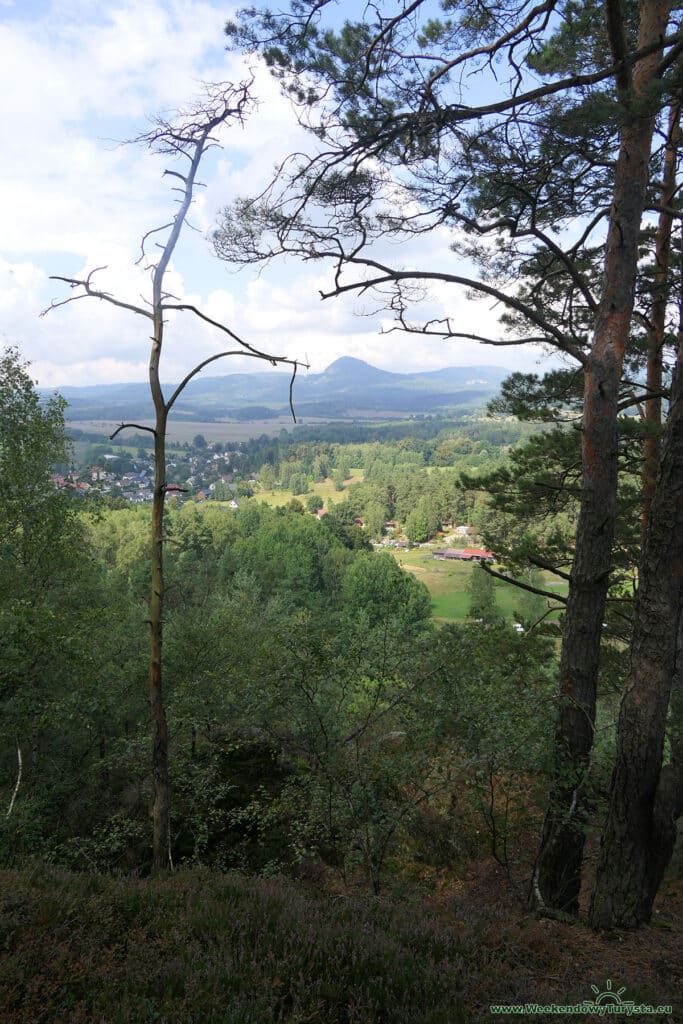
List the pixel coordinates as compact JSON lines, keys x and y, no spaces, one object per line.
{"x":218,"y":949}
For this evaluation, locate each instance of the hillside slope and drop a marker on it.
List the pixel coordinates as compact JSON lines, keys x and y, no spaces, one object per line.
{"x":202,"y":948}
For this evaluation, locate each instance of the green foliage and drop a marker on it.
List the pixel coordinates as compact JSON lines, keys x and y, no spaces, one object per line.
{"x":355,"y":729}
{"x":32,"y":443}
{"x":494,"y":689}
{"x":529,"y":606}
{"x":423,"y":521}
{"x":70,"y":635}
{"x":482,"y":595}
{"x":306,"y":721}
{"x":267,"y":477}
{"x":314,"y":503}
{"x":530,"y":397}
{"x":377,"y":589}
{"x":375,"y":518}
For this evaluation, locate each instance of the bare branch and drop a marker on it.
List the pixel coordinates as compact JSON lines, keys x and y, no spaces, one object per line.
{"x":132,"y":426}
{"x":671,"y":211}
{"x":253,"y":354}
{"x":90,"y":292}
{"x":154,"y":231}
{"x":20,"y":766}
{"x":544,"y":8}
{"x":457,"y":113}
{"x":176,"y":174}
{"x":550,"y":609}
{"x":291,"y":386}
{"x":387,"y":275}
{"x":540,"y":563}
{"x":448,"y":332}
{"x":226,"y":330}
{"x":518,"y":583}
{"x":632,"y":400}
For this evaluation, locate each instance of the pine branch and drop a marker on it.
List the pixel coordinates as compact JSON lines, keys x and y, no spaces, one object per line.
{"x":518,"y":583}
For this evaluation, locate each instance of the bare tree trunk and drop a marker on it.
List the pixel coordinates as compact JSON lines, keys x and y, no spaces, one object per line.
{"x":558,"y":877}
{"x":188,"y":139}
{"x":160,"y":772}
{"x":675,"y":767}
{"x":640,"y":832}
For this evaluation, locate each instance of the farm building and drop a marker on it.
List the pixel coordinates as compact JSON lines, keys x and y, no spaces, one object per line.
{"x":464,"y":554}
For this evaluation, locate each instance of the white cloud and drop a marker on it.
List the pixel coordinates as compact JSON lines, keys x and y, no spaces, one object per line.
{"x":73,"y":76}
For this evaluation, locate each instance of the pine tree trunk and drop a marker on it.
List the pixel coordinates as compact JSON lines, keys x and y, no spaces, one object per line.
{"x":676,"y":715}
{"x":558,"y":877}
{"x":657,"y":325}
{"x":640,"y":832}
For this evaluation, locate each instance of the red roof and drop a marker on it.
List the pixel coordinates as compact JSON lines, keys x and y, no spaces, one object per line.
{"x":467,"y":554}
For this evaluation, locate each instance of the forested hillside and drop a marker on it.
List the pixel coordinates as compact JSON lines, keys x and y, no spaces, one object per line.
{"x":324,"y":725}
{"x":288,"y":641}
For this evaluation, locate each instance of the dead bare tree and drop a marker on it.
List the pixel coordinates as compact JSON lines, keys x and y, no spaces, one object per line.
{"x":185,"y":140}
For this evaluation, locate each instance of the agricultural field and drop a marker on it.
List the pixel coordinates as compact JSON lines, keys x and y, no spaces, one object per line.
{"x":180,"y":430}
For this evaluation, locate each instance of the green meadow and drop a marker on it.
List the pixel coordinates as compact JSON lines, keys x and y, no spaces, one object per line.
{"x":448,"y":584}
{"x":325,"y":489}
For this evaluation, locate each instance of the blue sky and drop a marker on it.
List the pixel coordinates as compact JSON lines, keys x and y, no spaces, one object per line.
{"x":76,"y":75}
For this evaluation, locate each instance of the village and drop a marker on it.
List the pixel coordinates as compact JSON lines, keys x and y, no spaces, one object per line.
{"x":198,"y":472}
{"x":207,"y":471}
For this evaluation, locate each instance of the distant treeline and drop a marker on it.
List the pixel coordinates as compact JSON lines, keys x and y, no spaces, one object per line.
{"x":424,"y":437}
{"x":138,"y":440}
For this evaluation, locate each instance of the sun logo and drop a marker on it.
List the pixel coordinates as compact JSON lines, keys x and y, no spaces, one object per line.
{"x":608,"y":996}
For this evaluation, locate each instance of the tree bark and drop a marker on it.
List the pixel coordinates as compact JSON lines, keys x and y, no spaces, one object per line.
{"x":657,"y":326}
{"x":558,"y":876}
{"x":676,"y":716}
{"x":640,"y":832}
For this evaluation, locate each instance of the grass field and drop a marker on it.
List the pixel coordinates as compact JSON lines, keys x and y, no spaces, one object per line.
{"x":326,"y":490}
{"x":447,"y":582}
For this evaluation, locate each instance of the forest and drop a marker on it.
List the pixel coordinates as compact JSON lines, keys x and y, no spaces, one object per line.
{"x":255,"y":769}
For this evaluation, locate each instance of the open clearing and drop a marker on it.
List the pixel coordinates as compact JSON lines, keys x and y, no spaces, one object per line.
{"x":448,"y":583}
{"x":325,"y":490}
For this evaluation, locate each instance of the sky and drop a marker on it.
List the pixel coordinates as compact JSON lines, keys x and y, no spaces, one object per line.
{"x":76,"y":78}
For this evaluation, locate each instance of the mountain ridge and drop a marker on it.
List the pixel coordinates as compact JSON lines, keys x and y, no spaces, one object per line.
{"x":346,"y":387}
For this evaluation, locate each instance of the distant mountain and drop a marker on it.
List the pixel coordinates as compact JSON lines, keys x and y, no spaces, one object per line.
{"x":348,"y":387}
{"x":350,"y":372}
